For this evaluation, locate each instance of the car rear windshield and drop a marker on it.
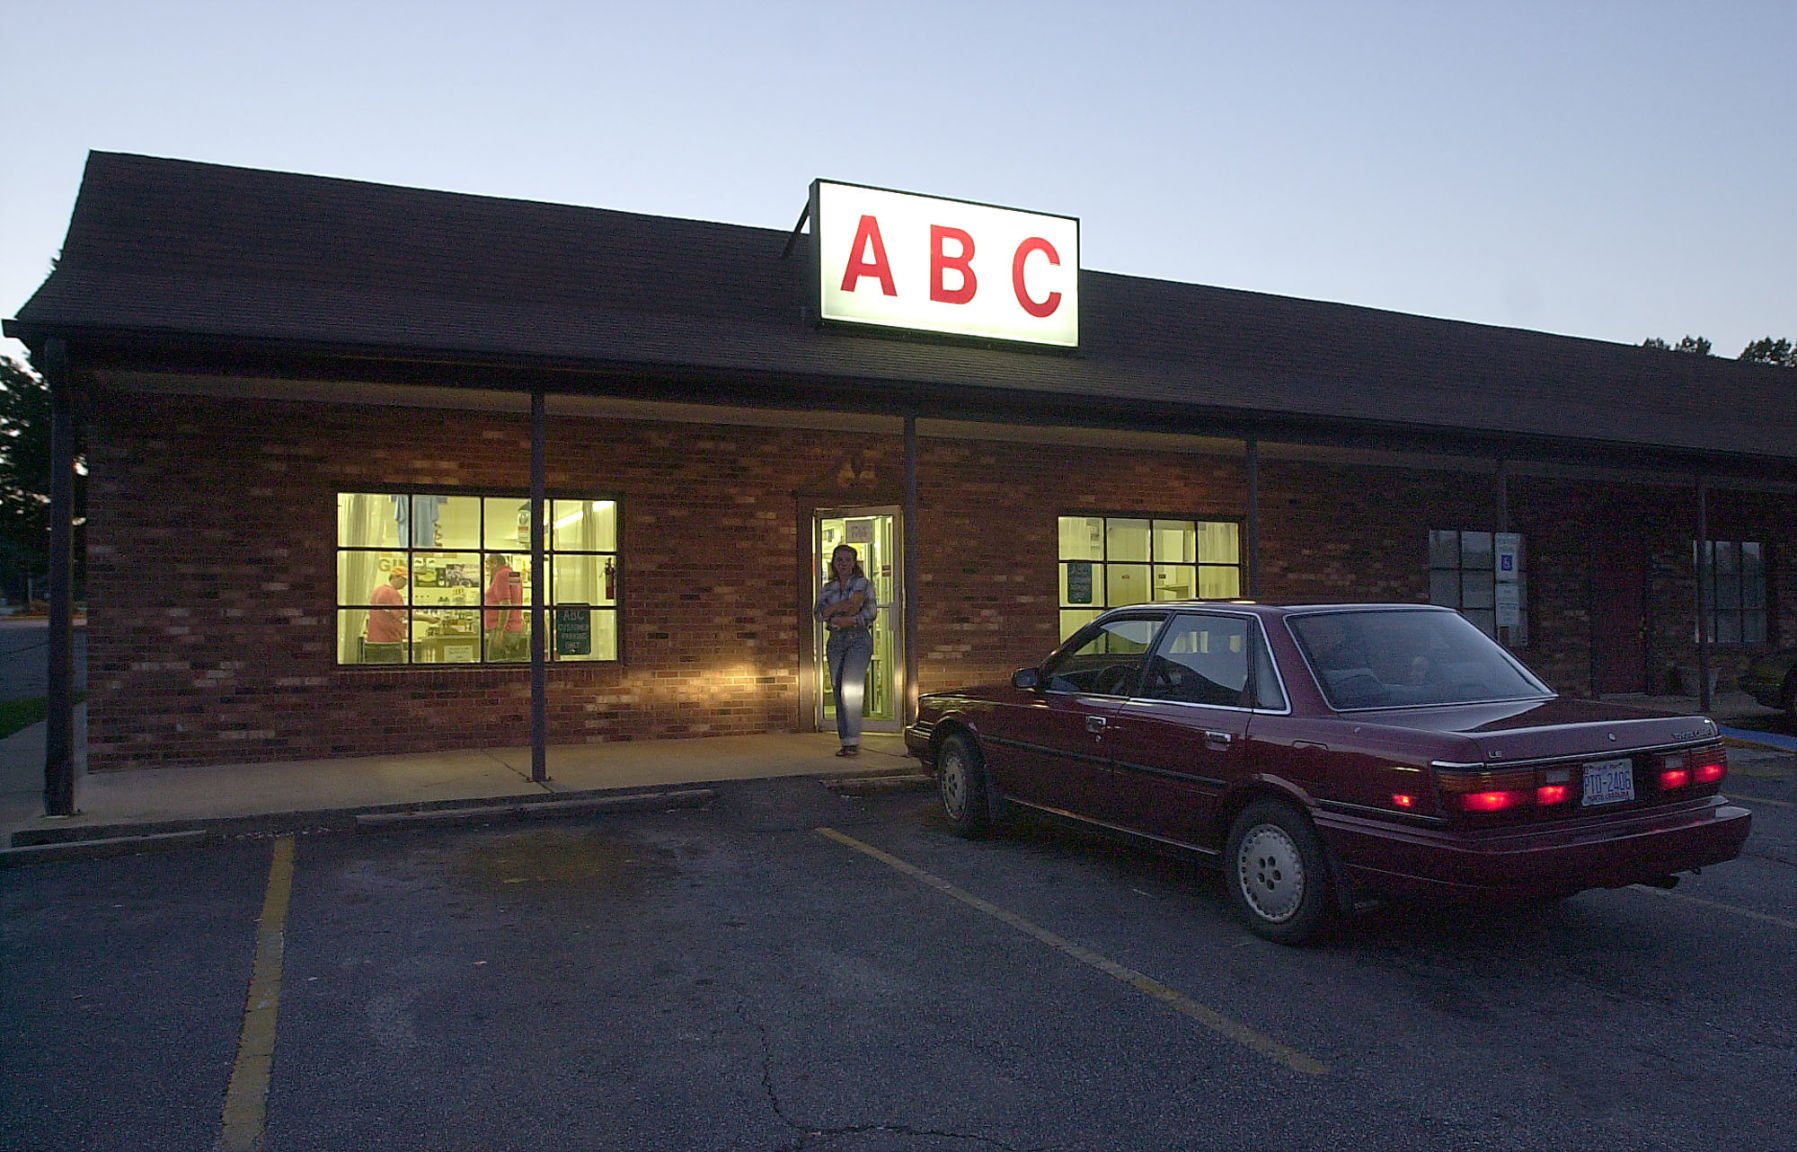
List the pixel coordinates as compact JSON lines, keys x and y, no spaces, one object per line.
{"x":1398,"y":658}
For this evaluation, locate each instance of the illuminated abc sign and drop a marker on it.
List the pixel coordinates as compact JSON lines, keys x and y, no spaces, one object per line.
{"x":894,"y":260}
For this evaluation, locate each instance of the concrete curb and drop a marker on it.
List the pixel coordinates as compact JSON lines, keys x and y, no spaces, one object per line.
{"x":97,"y":848}
{"x":1750,"y":738}
{"x":880,"y":784}
{"x":66,"y":843}
{"x":494,"y":813}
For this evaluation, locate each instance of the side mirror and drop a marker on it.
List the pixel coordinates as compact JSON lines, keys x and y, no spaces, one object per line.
{"x":1027,"y":678}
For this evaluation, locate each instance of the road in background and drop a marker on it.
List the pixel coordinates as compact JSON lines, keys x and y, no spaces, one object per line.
{"x":25,"y":657}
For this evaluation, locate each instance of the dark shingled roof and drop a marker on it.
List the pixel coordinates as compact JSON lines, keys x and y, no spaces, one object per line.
{"x":183,"y":254}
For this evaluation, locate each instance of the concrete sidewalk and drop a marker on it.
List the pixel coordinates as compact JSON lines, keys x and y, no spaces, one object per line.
{"x":140,"y":804}
{"x":129,"y":810}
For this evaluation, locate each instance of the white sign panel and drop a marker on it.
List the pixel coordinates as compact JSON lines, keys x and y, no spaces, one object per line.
{"x":894,"y":260}
{"x":1509,"y":605}
{"x":1509,"y":551}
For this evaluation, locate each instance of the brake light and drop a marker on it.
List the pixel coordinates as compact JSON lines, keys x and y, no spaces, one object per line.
{"x":1507,"y":788}
{"x":1682,"y":769}
{"x":1403,"y":799}
{"x":1494,"y":801}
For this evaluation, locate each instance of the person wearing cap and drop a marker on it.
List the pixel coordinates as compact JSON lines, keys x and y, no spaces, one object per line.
{"x":387,"y":619}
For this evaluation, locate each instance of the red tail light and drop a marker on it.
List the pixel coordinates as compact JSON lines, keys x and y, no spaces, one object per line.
{"x":1495,"y":801}
{"x":1475,"y":789}
{"x":1682,"y":769}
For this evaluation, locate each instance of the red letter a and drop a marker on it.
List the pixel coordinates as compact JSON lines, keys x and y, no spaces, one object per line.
{"x":963,"y":264}
{"x":867,"y":233}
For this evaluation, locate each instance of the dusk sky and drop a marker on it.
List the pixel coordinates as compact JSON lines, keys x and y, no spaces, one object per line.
{"x":1613,"y":170}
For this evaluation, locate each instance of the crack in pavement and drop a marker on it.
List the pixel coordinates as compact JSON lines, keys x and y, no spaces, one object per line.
{"x":812,"y":1138}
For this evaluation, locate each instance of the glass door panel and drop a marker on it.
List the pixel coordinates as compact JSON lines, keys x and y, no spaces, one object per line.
{"x":874,"y":535}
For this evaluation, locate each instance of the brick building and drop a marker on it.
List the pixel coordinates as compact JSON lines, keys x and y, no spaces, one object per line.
{"x":292,"y":387}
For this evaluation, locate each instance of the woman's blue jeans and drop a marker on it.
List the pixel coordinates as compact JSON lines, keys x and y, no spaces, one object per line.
{"x":849,"y":651}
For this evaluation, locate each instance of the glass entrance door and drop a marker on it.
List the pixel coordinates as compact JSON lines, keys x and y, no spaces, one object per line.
{"x":874,"y":534}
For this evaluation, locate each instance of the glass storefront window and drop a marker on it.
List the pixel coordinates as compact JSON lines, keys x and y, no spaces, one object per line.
{"x":1109,"y":561}
{"x":445,"y":579}
{"x":1127,"y":540}
{"x":1082,"y":538}
{"x":1463,"y":575}
{"x":506,"y":523}
{"x":584,"y":525}
{"x":1734,"y":587}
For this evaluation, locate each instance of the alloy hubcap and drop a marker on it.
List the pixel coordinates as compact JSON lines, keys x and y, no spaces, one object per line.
{"x":1270,"y":873}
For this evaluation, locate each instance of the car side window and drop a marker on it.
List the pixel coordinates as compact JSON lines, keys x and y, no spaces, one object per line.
{"x":1105,"y":660}
{"x":1201,"y":659}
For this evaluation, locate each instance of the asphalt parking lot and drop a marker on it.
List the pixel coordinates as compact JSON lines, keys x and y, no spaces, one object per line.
{"x":793,"y":969}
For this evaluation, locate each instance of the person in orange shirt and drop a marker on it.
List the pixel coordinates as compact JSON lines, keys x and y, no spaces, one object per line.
{"x":387,"y":619}
{"x":504,"y":614}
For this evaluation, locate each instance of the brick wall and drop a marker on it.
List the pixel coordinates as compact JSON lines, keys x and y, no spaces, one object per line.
{"x":212,"y":583}
{"x":990,"y":544}
{"x":212,"y":586}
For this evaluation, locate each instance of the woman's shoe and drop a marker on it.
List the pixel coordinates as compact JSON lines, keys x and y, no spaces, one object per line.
{"x":849,"y":750}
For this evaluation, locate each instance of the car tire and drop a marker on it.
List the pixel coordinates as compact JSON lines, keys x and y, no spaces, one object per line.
{"x":961,"y":785}
{"x":1277,"y":873}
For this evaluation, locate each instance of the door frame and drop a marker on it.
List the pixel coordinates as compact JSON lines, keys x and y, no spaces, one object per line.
{"x":814,"y":692}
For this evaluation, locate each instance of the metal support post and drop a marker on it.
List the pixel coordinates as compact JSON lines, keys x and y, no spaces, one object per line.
{"x":911,"y":576}
{"x":1703,"y":606}
{"x":59,"y":741}
{"x":539,"y":704}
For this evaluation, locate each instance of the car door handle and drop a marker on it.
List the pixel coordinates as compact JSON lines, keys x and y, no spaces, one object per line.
{"x":1218,"y":741}
{"x":1095,"y":723}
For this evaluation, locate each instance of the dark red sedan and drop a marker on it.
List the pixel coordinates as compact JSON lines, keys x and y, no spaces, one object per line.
{"x":1328,"y":752}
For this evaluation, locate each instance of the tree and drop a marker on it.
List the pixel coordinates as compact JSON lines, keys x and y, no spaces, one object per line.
{"x":1696,"y":345}
{"x":1769,"y":351}
{"x":25,"y":477}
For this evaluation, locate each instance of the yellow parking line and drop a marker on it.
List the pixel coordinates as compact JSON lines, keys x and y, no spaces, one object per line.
{"x":1209,"y":1017}
{"x":246,"y":1101}
{"x":1701,"y":902}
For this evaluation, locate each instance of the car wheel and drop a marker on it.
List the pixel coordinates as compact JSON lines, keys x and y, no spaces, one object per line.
{"x":961,"y":782}
{"x":1276,"y":873}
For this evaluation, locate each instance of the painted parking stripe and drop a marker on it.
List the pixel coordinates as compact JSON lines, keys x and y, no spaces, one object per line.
{"x":1720,"y":907}
{"x":1179,"y":1002}
{"x":246,"y":1101}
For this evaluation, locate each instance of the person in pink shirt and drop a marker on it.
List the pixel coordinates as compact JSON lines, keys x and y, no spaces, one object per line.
{"x":387,"y":619}
{"x":504,"y":614}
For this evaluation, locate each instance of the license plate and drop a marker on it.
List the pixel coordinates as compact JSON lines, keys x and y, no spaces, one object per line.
{"x":1609,"y":782}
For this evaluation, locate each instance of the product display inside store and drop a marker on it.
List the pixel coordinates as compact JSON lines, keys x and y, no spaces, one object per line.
{"x":447,"y":579}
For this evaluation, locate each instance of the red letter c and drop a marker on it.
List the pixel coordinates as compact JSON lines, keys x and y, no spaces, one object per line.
{"x":1024,"y":250}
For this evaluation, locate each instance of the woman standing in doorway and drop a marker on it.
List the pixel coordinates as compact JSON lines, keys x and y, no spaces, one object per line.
{"x":847,"y":607}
